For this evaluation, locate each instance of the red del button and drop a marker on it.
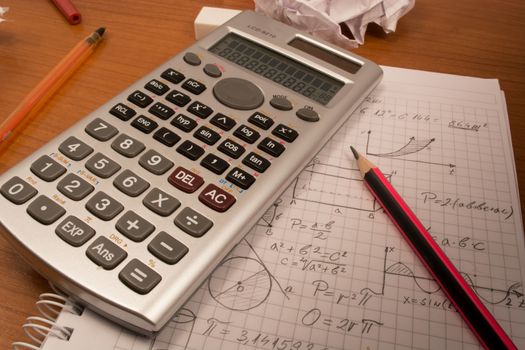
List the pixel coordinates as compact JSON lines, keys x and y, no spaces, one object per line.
{"x":185,"y":180}
{"x":216,"y":198}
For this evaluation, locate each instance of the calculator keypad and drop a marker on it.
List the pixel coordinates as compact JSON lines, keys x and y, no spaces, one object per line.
{"x":159,"y":116}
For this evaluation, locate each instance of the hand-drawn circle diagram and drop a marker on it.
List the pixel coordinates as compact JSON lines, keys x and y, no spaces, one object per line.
{"x":240,"y":283}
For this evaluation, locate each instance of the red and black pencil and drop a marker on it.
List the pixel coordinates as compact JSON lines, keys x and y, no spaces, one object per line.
{"x":467,"y":303}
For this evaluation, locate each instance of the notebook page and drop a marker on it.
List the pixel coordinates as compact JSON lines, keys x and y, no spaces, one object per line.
{"x":326,"y":269}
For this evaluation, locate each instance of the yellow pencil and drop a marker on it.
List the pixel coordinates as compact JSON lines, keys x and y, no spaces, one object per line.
{"x":51,"y":82}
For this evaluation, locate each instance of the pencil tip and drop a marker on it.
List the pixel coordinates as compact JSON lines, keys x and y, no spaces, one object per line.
{"x":356,"y":155}
{"x":100,"y":31}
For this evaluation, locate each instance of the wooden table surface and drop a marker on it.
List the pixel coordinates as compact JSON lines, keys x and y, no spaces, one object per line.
{"x":481,"y":38}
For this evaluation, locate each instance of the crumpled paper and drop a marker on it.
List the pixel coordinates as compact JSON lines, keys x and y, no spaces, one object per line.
{"x":322,"y":18}
{"x":3,"y":10}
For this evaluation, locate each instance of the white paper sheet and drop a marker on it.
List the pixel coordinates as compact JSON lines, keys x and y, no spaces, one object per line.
{"x":326,"y":269}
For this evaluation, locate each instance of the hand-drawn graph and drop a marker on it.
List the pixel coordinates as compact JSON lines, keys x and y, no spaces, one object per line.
{"x":413,"y":146}
{"x":241,"y":282}
{"x":347,"y":190}
{"x":428,"y":285}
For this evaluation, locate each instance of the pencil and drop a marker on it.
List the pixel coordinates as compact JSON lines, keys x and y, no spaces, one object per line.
{"x":51,"y":82}
{"x":470,"y":307}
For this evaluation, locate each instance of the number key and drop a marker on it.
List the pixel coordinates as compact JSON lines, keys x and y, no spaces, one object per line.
{"x":74,"y":187}
{"x":130,"y":183}
{"x":74,"y":148}
{"x":155,"y":163}
{"x":103,"y":206}
{"x":17,"y":190}
{"x":101,"y":130}
{"x":47,"y":169}
{"x":127,"y":146}
{"x":102,"y":166}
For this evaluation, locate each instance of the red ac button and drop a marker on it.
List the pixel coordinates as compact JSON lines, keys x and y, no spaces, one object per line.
{"x":216,"y":198}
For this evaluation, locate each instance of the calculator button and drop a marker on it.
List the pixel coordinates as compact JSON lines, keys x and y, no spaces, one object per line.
{"x":207,"y":135}
{"x":192,"y":222}
{"x":247,"y":134}
{"x":160,"y":202}
{"x":74,"y":187}
{"x":200,"y":109}
{"x":271,"y":147}
{"x":139,"y":277}
{"x":103,"y":206}
{"x":231,"y":148}
{"x":238,"y":93}
{"x":281,"y":103}
{"x":74,"y":231}
{"x":144,"y":124}
{"x":256,"y":162}
{"x":74,"y":148}
{"x":261,"y":120}
{"x":185,"y":180}
{"x":240,"y":178}
{"x":102,"y":166}
{"x":192,"y":58}
{"x":122,"y":112}
{"x":216,"y":198}
{"x":45,"y":210}
{"x":285,"y":133}
{"x":307,"y":114}
{"x":161,"y":110}
{"x":130,"y":183}
{"x":156,"y":87}
{"x":105,"y":253}
{"x":134,"y":226}
{"x":140,"y":99}
{"x":214,"y":163}
{"x":212,"y":70}
{"x":178,"y":98}
{"x":184,"y":123}
{"x":222,"y":121}
{"x":17,"y":190}
{"x":172,"y":75}
{"x":190,"y":150}
{"x":101,"y":130}
{"x":154,"y":162}
{"x":167,"y":248}
{"x":127,"y":146}
{"x":166,"y":136}
{"x":47,"y":169}
{"x":194,"y":86}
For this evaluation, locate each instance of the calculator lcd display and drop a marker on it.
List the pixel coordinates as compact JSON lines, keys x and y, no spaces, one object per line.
{"x":277,"y":68}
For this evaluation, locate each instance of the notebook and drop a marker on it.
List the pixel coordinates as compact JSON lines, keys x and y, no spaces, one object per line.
{"x":325,"y":268}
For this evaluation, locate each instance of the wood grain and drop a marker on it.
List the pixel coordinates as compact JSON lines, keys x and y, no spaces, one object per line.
{"x":480,"y":38}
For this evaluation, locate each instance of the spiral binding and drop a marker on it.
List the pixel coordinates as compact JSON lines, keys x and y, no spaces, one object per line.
{"x":38,"y":328}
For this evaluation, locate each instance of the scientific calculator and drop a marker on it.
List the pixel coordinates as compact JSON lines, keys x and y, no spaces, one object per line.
{"x":130,"y":210}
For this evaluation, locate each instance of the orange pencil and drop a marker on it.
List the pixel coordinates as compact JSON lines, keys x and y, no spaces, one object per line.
{"x":51,"y":82}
